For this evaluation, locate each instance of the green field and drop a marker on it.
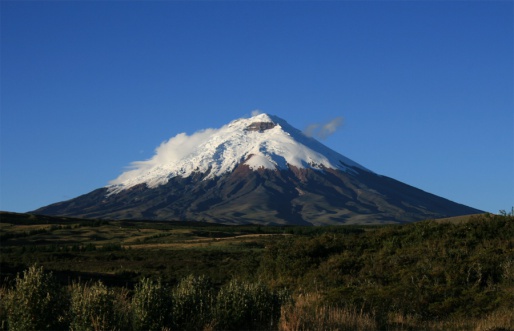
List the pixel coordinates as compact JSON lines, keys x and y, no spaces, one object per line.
{"x":447,"y":274}
{"x":121,"y":252}
{"x":125,"y":251}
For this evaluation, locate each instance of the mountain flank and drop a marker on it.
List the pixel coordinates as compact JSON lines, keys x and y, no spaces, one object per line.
{"x":257,"y":170}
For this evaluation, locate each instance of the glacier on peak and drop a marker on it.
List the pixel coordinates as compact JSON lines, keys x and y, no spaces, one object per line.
{"x":261,"y":142}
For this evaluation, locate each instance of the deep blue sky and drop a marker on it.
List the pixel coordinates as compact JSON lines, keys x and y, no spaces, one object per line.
{"x":425,"y":88}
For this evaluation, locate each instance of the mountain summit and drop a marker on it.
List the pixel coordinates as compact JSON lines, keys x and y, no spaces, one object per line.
{"x":255,"y":170}
{"x":260,"y":142}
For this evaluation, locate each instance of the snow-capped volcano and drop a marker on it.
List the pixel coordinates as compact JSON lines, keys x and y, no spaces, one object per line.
{"x":261,"y":142}
{"x":257,"y":170}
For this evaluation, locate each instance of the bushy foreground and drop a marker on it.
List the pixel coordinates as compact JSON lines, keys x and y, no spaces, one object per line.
{"x":37,"y":302}
{"x":422,"y":276}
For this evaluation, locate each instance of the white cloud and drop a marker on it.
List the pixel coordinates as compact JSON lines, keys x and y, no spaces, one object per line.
{"x":168,"y":152}
{"x":330,"y":127}
{"x":322,"y":131}
{"x":256,"y":112}
{"x":311,"y":129}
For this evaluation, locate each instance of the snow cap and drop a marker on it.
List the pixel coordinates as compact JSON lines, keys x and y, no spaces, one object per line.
{"x":261,"y":142}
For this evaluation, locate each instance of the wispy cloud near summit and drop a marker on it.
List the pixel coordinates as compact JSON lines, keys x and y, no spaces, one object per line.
{"x":322,"y":131}
{"x":256,"y":112}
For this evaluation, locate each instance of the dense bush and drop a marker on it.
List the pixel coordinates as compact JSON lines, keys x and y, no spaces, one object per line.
{"x":192,"y":303}
{"x":97,"y":307}
{"x":241,"y":305}
{"x":36,"y":302}
{"x":427,"y":270}
{"x":151,"y":305}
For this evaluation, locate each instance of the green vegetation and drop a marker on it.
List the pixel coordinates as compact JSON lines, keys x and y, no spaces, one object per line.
{"x":448,"y":274}
{"x":242,"y":305}
{"x":150,"y":305}
{"x":32,"y":304}
{"x":97,"y":307}
{"x":36,"y":302}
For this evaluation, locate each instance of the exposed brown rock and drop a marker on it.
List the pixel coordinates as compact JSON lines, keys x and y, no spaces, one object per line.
{"x":260,"y":126}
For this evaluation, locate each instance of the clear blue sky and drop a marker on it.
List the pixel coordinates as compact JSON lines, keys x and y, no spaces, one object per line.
{"x":425,"y":88}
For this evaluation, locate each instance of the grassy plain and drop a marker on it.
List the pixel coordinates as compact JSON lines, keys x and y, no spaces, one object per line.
{"x":122,"y":252}
{"x":452,"y":274}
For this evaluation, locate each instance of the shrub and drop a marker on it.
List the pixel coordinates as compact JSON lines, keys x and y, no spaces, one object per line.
{"x":98,"y":308}
{"x":243,"y":305}
{"x":36,"y":303}
{"x":151,"y":305}
{"x":192,"y":302}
